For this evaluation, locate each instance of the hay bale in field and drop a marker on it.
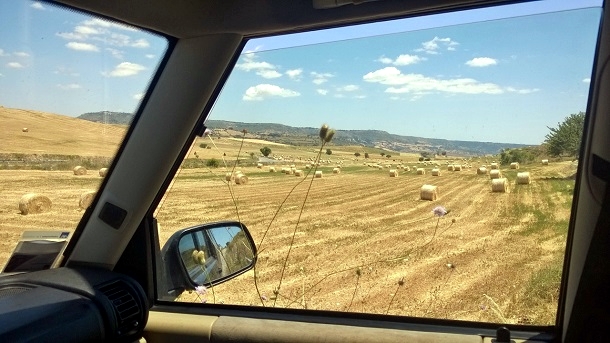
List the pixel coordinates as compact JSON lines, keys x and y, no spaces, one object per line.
{"x":307,"y":166}
{"x":298,"y":172}
{"x":103,"y":172}
{"x":495,"y":174}
{"x":393,"y":173}
{"x":86,"y":199}
{"x":407,"y":168}
{"x":241,"y":179}
{"x":514,"y":165}
{"x":421,"y":171}
{"x":318,"y":174}
{"x":450,"y":167}
{"x":436,"y":172}
{"x":290,"y":171}
{"x":336,"y":170}
{"x":25,"y":129}
{"x":499,"y":185}
{"x":272,"y":169}
{"x":380,"y":167}
{"x":545,"y":162}
{"x":494,"y":165}
{"x":481,"y":171}
{"x":229,"y":177}
{"x":259,"y":165}
{"x":34,"y":203}
{"x":428,"y":192}
{"x":457,"y":167}
{"x":80,"y":170}
{"x":524,"y":178}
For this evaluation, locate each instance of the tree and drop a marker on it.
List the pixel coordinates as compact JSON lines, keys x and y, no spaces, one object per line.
{"x":565,"y":139}
{"x":382,"y":154}
{"x":212,"y":163}
{"x":329,"y":152}
{"x":266,"y":151}
{"x":366,"y":155}
{"x":357,"y":154}
{"x":388,"y":156}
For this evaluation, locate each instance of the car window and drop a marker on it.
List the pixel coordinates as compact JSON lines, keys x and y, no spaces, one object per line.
{"x":425,"y":168}
{"x":70,"y":85}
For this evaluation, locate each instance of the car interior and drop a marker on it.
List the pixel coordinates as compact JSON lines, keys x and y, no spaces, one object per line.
{"x":124,"y":277}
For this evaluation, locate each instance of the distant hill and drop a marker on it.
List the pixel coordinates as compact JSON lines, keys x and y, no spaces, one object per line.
{"x":107,"y":117}
{"x":309,"y":136}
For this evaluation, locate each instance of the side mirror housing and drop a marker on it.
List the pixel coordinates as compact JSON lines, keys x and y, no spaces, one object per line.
{"x":205,"y":255}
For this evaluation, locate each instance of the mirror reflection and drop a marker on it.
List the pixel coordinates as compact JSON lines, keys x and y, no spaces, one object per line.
{"x":210,"y":254}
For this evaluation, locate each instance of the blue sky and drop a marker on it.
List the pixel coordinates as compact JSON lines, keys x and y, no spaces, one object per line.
{"x":467,"y":76}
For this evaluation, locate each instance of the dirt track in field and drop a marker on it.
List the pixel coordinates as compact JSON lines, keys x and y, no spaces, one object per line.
{"x":364,"y":219}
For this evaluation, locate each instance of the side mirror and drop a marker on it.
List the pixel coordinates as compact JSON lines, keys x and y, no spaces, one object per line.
{"x":206,"y":255}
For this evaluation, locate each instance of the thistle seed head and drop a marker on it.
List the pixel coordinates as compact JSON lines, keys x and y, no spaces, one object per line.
{"x":323,"y":131}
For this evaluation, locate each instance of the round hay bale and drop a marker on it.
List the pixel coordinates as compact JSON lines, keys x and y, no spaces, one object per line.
{"x":494,"y":165}
{"x":524,"y":178}
{"x":499,"y":185}
{"x":80,"y":170}
{"x":406,"y":168}
{"x":318,"y":174}
{"x":481,"y":171}
{"x":298,"y":172}
{"x":436,"y":172}
{"x":514,"y":165}
{"x":34,"y":203}
{"x":336,"y":170}
{"x":272,"y":169}
{"x":545,"y":162}
{"x":289,"y":171}
{"x":103,"y":172}
{"x":393,"y":173}
{"x":495,"y":174}
{"x":86,"y":199}
{"x":241,"y":179}
{"x":421,"y":171}
{"x":457,"y":167}
{"x":450,"y":167}
{"x":229,"y":177}
{"x":25,"y":129}
{"x":428,"y":192}
{"x":307,"y":166}
{"x":259,"y":165}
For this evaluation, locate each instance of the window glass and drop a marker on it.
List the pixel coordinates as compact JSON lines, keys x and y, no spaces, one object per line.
{"x":446,"y":189}
{"x":69,"y":86}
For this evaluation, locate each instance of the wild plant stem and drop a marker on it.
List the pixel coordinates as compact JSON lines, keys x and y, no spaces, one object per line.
{"x":294,"y":232}
{"x":392,"y":300}
{"x":353,"y":294}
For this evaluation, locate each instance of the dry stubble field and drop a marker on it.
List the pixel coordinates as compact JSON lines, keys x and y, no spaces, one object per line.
{"x":505,"y":250}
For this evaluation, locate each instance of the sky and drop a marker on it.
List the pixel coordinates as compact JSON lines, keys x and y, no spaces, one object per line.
{"x":473,"y":75}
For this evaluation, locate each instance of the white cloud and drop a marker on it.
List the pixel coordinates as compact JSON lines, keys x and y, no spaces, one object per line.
{"x":433,"y":46}
{"x":65,"y":71}
{"x":348,"y":88}
{"x":107,"y":24}
{"x":87,"y":30}
{"x":294,"y":74}
{"x":140,"y":43}
{"x":71,"y":36}
{"x":82,"y":46}
{"x":21,"y":54}
{"x":417,"y":83}
{"x":125,"y":69}
{"x":586,"y":80}
{"x":522,"y":91}
{"x":262,"y":91}
{"x":115,"y":53}
{"x":402,"y":60}
{"x":15,"y":65}
{"x":69,"y":86}
{"x":322,"y":91}
{"x":253,"y":65}
{"x":149,"y":56}
{"x":138,"y":96}
{"x":320,"y":78}
{"x":2,"y":53}
{"x":360,"y":97}
{"x":268,"y":74}
{"x":482,"y":62}
{"x":37,"y":5}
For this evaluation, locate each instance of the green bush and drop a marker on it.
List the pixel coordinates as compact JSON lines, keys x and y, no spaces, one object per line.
{"x":212,"y":163}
